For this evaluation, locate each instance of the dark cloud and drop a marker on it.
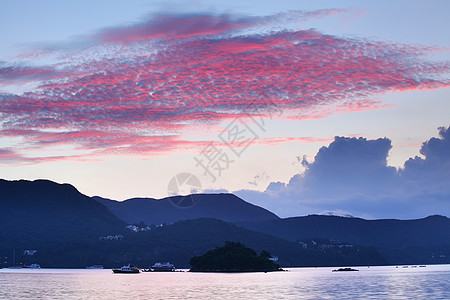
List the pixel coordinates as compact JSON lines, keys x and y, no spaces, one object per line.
{"x":431,"y":173}
{"x":436,"y":152}
{"x":352,"y":175}
{"x":350,"y":165}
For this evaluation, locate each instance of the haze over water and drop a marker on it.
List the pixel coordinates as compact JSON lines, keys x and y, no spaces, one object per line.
{"x":386,"y":282}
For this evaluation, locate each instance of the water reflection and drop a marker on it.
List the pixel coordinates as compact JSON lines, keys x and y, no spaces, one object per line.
{"x":298,"y":283}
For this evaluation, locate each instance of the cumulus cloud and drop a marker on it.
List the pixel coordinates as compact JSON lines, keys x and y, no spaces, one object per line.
{"x":349,"y":165}
{"x":436,"y":152}
{"x":132,"y":84}
{"x":352,"y":175}
{"x":431,"y":173}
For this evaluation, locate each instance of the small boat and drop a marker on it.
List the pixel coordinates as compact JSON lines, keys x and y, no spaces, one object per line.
{"x":95,"y":267}
{"x":127,"y":270}
{"x":33,"y":266}
{"x":162,"y":267}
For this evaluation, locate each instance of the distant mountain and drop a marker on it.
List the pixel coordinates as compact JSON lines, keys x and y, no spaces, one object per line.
{"x":401,"y":241}
{"x":225,"y":207}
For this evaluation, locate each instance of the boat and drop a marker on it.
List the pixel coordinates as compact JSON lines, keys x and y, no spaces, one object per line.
{"x":33,"y":266}
{"x":127,"y":270}
{"x":95,"y":267}
{"x":162,"y":267}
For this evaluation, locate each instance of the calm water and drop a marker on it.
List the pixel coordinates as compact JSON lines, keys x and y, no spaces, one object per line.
{"x":432,"y":282}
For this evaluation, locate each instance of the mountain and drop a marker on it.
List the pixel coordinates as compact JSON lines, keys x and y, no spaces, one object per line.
{"x":225,"y":207}
{"x":401,"y":241}
{"x":43,"y":214}
{"x":45,"y":207}
{"x":56,"y":226}
{"x":69,"y":229}
{"x":182,"y":240}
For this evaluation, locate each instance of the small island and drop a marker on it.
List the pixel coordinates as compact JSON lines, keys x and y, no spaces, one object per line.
{"x":233,"y":257}
{"x":345,"y":270}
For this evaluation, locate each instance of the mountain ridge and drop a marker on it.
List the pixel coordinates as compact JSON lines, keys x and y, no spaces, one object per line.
{"x":56,"y":218}
{"x":223,"y":206}
{"x":38,"y":211}
{"x":358,"y":230}
{"x":56,"y":226}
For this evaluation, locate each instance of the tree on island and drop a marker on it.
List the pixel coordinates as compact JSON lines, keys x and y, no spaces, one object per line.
{"x":233,"y":257}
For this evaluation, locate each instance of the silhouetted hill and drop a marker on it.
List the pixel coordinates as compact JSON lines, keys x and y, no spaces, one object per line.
{"x":226,"y":207}
{"x":69,"y":229}
{"x":233,"y":257}
{"x":35,"y":214}
{"x":432,"y":230}
{"x":182,"y":240}
{"x":401,"y":241}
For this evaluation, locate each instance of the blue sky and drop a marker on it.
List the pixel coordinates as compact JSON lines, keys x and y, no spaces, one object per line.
{"x":118,"y":97}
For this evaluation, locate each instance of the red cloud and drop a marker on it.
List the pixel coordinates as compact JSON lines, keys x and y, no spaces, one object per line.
{"x":206,"y":69}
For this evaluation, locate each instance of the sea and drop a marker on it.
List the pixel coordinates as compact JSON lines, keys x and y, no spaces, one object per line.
{"x":385,"y":282}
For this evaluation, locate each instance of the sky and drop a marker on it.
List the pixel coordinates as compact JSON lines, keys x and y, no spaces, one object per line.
{"x":302,"y":107}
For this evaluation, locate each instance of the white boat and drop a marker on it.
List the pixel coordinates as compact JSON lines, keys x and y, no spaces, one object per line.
{"x":127,"y":270}
{"x":163,"y":267}
{"x":33,"y":266}
{"x":95,"y":267}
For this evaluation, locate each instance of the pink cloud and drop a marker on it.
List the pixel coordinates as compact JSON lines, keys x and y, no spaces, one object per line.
{"x":170,"y":27}
{"x":281,"y":140}
{"x":154,"y":80}
{"x":8,"y":156}
{"x":181,"y":26}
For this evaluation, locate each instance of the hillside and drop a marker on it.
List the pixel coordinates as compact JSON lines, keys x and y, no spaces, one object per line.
{"x":225,"y":207}
{"x":182,"y":240}
{"x":69,"y":229}
{"x":401,"y":241}
{"x":41,"y":214}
